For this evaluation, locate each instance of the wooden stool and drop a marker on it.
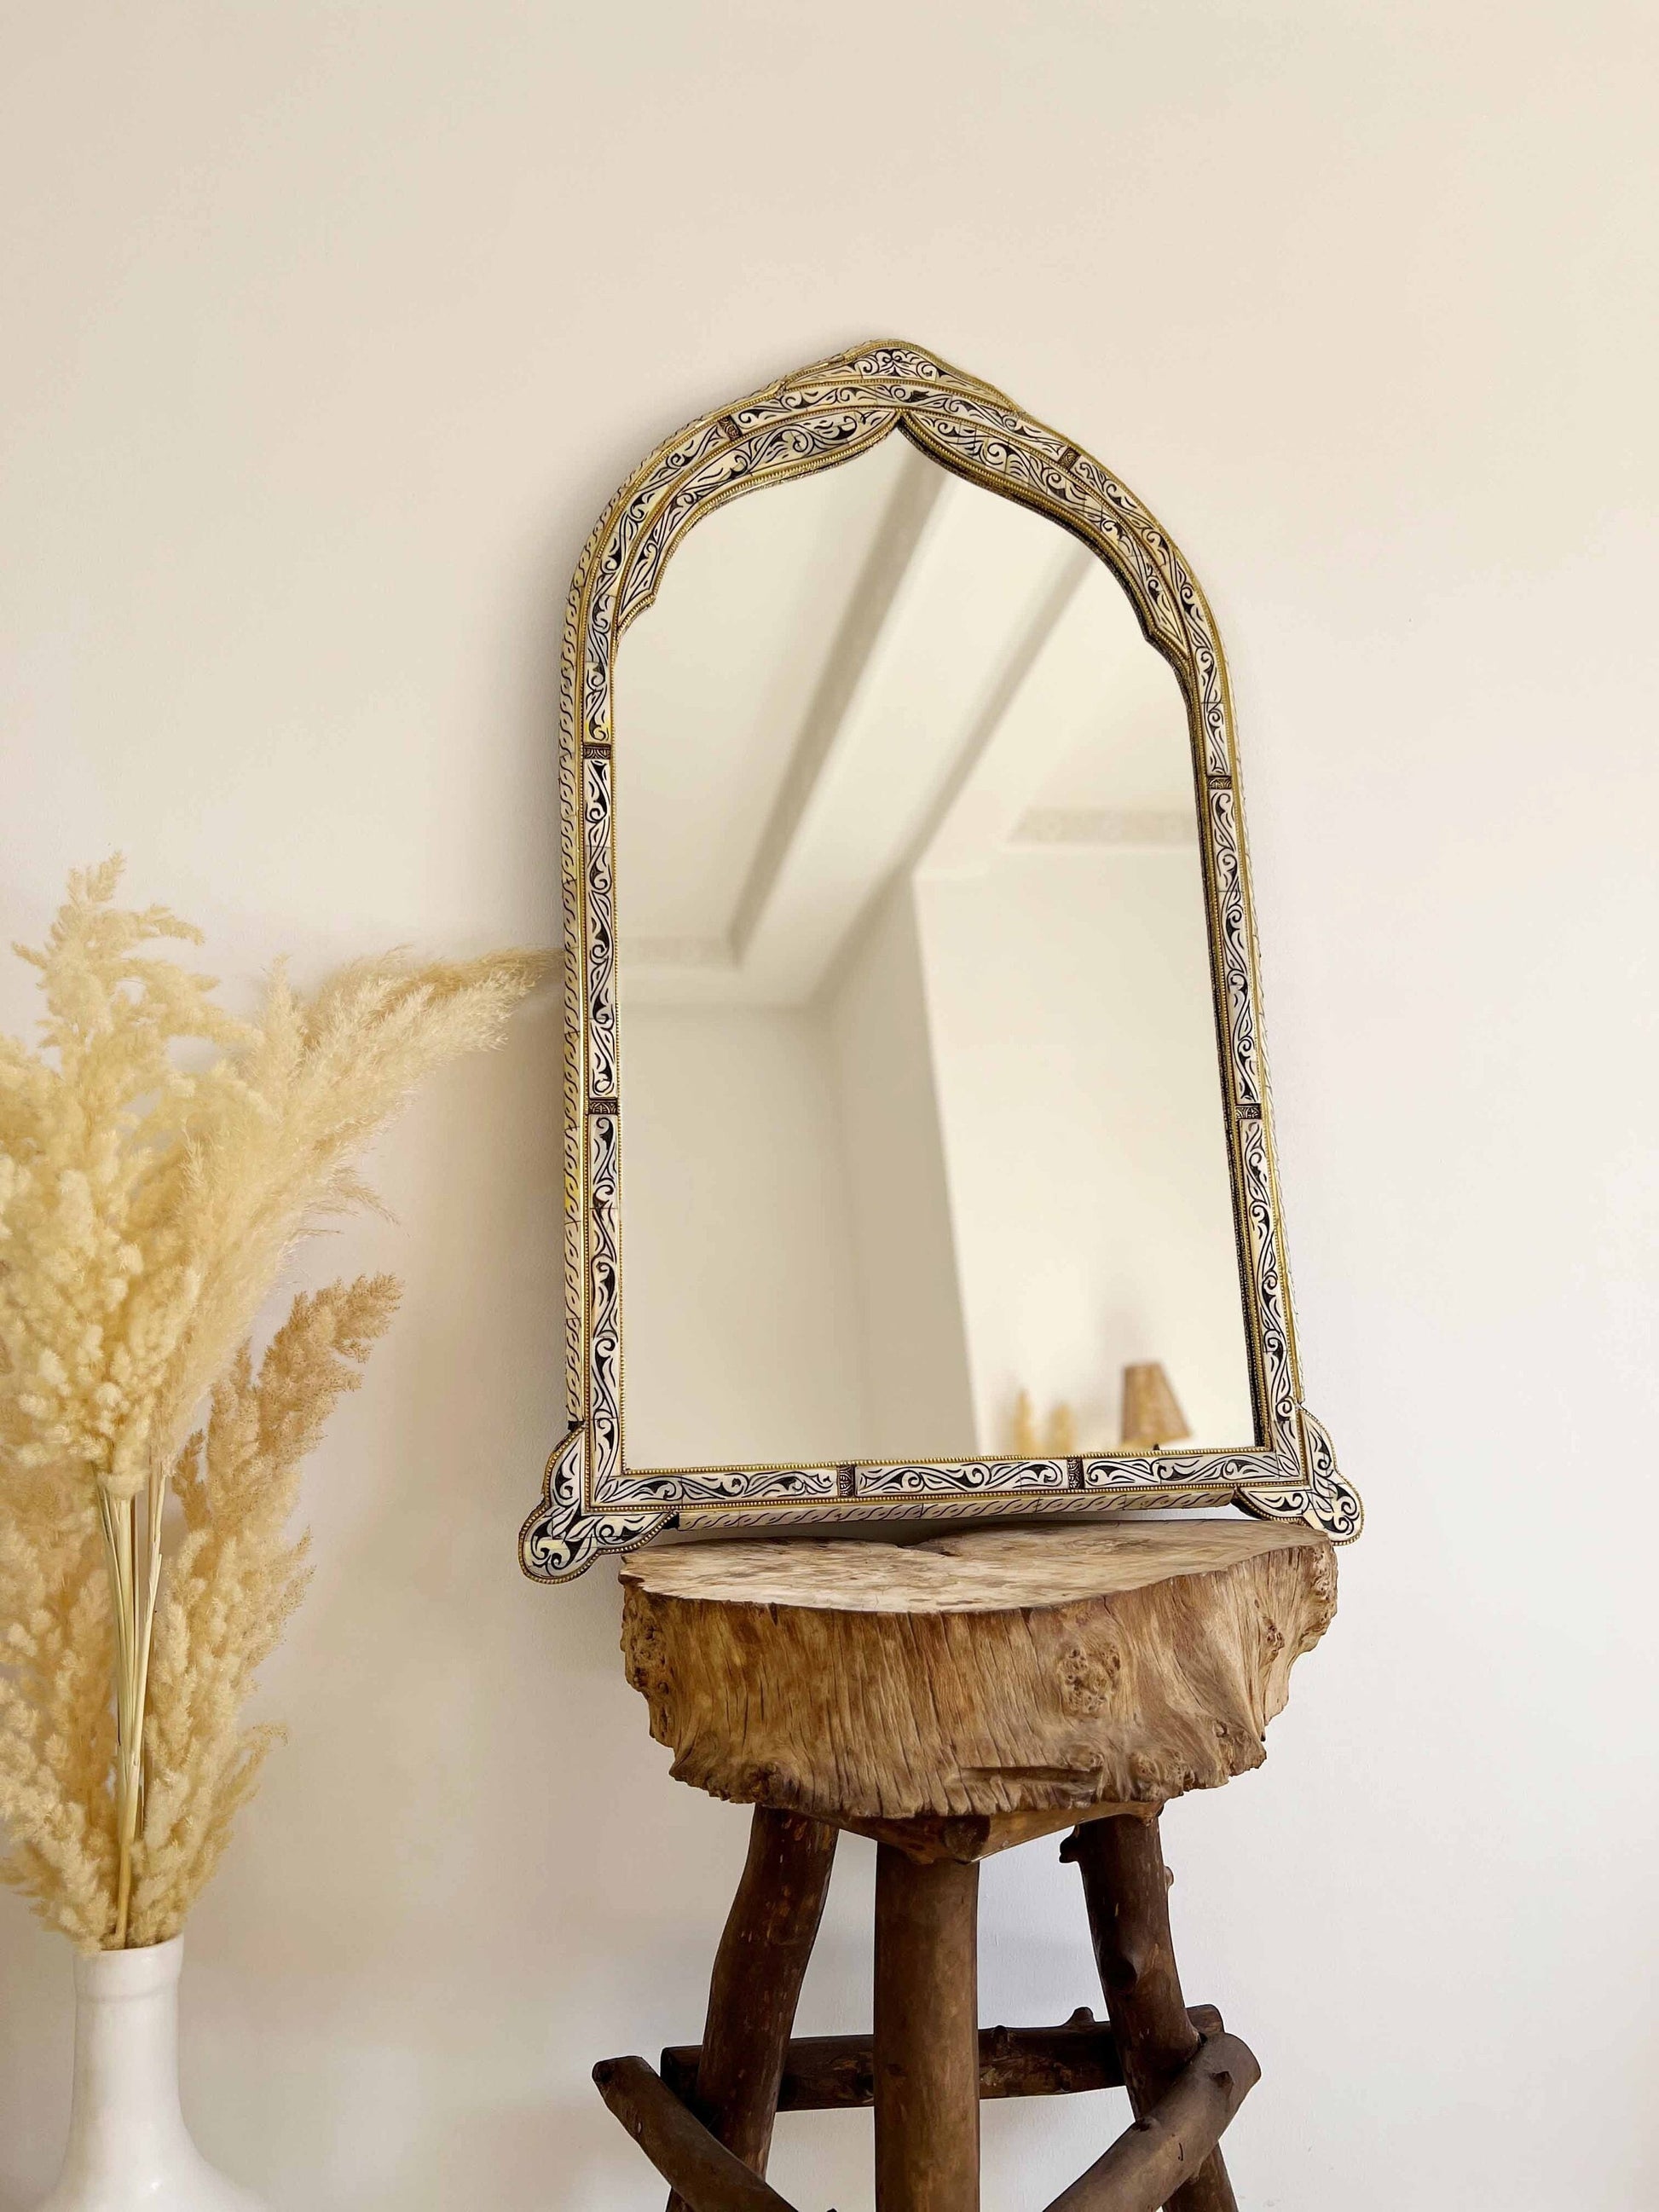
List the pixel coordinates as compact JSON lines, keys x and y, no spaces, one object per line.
{"x":951,"y":1698}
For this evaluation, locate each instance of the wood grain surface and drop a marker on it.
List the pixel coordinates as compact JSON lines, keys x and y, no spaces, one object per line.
{"x":988,"y":1674}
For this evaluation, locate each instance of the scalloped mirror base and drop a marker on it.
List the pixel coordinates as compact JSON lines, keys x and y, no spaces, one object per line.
{"x":562,"y":1538}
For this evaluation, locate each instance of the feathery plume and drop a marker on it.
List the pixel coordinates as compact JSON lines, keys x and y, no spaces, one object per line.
{"x":146,"y":1208}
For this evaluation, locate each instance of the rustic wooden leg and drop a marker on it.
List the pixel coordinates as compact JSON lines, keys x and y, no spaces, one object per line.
{"x":756,"y":1984}
{"x":927,"y":2034}
{"x":1148,"y":2164}
{"x":1126,"y":1890}
{"x":706,"y":2176}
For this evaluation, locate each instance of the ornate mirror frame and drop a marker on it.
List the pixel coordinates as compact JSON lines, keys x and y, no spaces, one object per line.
{"x":812,"y":420}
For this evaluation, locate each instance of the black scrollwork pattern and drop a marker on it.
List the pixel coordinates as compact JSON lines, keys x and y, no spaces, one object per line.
{"x":1266,"y":1291}
{"x":1205,"y":1471}
{"x":771,"y":453}
{"x":1265,"y":1279}
{"x":1233,"y":944}
{"x":925,"y":1478}
{"x":604,"y":1304}
{"x":562,"y":1539}
{"x":723,"y":1485}
{"x":1337,"y":1507}
{"x":816,"y":419}
{"x":601,"y":933}
{"x":1327,"y":1500}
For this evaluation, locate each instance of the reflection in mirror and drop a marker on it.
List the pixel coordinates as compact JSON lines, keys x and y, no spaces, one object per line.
{"x":922,"y":1133}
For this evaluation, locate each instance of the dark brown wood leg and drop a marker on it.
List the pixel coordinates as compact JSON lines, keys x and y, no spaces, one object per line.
{"x":755,"y":1985}
{"x":706,"y":2176}
{"x":927,"y":2034}
{"x":1127,"y":1889}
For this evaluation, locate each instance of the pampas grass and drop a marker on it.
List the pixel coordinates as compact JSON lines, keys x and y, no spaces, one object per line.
{"x":146,"y":1208}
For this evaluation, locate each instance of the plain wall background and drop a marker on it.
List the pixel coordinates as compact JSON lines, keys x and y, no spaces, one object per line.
{"x":329,"y":330}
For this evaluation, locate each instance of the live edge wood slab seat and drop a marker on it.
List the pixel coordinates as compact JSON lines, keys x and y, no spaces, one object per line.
{"x":952,"y":1698}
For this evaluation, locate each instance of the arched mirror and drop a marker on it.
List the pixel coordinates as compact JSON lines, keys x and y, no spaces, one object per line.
{"x":918,"y":1148}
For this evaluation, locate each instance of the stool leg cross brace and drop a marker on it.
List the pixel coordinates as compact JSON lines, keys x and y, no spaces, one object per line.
{"x":705,"y":2121}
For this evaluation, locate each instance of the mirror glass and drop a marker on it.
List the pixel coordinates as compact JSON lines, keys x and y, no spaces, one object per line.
{"x":922,"y":1125}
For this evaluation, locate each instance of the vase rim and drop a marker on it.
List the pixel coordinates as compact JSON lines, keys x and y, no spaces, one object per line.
{"x":108,"y":1976}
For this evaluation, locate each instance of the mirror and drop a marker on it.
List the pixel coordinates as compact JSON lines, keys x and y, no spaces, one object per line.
{"x":918,"y":1153}
{"x":923,"y":1142}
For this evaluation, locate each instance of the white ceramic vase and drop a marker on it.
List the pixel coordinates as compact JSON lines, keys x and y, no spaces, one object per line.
{"x":129,"y":2150}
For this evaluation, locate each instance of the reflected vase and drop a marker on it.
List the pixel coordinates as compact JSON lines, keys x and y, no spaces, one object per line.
{"x":129,"y":2150}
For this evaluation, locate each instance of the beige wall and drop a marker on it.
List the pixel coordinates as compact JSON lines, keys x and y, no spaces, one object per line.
{"x":330,"y":329}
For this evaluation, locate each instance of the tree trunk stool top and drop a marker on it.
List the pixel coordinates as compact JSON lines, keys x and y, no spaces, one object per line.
{"x":952,"y":1698}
